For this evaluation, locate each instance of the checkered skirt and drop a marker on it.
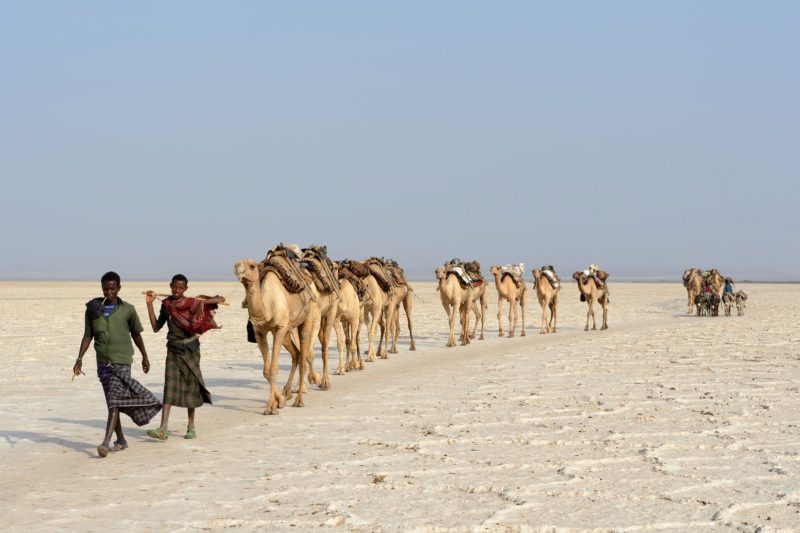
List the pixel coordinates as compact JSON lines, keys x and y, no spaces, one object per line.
{"x":127,"y":394}
{"x":183,"y":380}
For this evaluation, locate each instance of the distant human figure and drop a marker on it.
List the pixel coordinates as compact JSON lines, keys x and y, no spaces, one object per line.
{"x":706,"y":287}
{"x":112,"y":323}
{"x":729,"y":286}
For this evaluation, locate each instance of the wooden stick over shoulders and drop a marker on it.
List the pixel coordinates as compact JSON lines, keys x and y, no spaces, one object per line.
{"x":162,"y":295}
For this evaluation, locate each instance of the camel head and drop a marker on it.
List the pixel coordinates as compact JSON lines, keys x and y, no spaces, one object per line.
{"x":495,"y":270}
{"x":577,"y":276}
{"x":441,"y":273}
{"x":536,"y":273}
{"x":246,"y":272}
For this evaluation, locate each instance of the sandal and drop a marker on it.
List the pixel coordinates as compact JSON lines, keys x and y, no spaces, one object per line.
{"x":119,"y":446}
{"x":159,"y":434}
{"x":190,"y":434}
{"x":102,"y":450}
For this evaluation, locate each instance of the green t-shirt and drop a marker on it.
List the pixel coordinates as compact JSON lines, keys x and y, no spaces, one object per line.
{"x":112,"y":335}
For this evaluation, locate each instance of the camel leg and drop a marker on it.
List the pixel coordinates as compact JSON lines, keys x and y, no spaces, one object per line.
{"x":294,"y":351}
{"x":523,"y":300}
{"x":544,"y":329}
{"x":477,"y":315}
{"x":316,"y":333}
{"x":591,"y":310}
{"x":341,"y":341}
{"x":372,"y":325}
{"x":263,"y":347}
{"x":355,"y":329}
{"x":466,"y":308}
{"x":383,"y":342}
{"x":553,"y":313}
{"x":451,"y":319}
{"x":512,"y":317}
{"x":395,"y":330}
{"x":408,"y":305}
{"x":326,"y":337}
{"x":482,"y":315}
{"x":605,"y":313}
{"x":276,"y":400}
{"x":500,"y":315}
{"x":306,"y":340}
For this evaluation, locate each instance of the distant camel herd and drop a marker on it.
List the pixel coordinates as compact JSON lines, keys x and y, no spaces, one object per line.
{"x":705,"y":293}
{"x":298,"y":296}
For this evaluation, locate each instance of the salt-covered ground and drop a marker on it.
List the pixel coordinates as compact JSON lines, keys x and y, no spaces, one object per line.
{"x":665,"y":422}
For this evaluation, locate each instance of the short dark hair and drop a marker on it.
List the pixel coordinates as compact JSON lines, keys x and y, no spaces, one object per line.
{"x":179,"y":277}
{"x":111,"y":276}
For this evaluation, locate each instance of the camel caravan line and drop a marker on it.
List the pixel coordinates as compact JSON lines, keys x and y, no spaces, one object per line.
{"x":462,"y":286}
{"x":298,"y":295}
{"x":707,"y":289}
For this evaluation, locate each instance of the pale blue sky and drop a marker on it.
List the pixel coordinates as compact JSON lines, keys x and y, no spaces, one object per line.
{"x":157,"y":137}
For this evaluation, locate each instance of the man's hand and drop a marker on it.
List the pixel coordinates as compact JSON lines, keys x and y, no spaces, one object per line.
{"x":145,"y":364}
{"x":76,"y":370}
{"x":150,"y":296}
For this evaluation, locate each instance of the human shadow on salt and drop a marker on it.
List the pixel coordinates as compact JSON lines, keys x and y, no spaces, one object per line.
{"x":13,"y":437}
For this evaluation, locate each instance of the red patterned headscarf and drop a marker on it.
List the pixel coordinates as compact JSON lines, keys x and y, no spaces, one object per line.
{"x":191,"y":315}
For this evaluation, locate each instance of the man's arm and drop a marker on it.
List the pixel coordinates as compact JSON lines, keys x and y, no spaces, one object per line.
{"x":85,"y":343}
{"x":139,"y":342}
{"x":150,"y":311}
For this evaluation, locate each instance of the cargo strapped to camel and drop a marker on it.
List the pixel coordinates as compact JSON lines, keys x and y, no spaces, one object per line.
{"x":284,"y":261}
{"x":316,"y":262}
{"x":549,"y":272}
{"x":516,"y":272}
{"x":377,"y":267}
{"x":397,"y":272}
{"x":354,"y":272}
{"x":468,"y":274}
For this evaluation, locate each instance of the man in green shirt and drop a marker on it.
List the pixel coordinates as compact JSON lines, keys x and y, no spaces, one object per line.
{"x":112,"y":323}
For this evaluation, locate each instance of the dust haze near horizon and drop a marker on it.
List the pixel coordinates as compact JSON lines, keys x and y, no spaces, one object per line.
{"x":156,"y":138}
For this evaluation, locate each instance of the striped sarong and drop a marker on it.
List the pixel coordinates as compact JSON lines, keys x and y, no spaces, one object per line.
{"x":127,"y":394}
{"x":183,"y":380}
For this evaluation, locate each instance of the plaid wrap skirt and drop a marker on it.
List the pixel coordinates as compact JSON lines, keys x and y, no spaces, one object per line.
{"x":183,"y":380}
{"x":127,"y":394}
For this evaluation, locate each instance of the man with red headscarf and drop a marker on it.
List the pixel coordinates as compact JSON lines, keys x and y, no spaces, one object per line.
{"x":186,"y":318}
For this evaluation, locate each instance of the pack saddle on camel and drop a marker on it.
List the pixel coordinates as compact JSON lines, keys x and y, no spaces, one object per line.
{"x":404,"y":294}
{"x":315,"y":261}
{"x":593,"y":288}
{"x":548,"y":289}
{"x":469,"y":273}
{"x":510,"y":288}
{"x":280,"y":299}
{"x":456,"y":296}
{"x":379,"y":311}
{"x":353,"y":295}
